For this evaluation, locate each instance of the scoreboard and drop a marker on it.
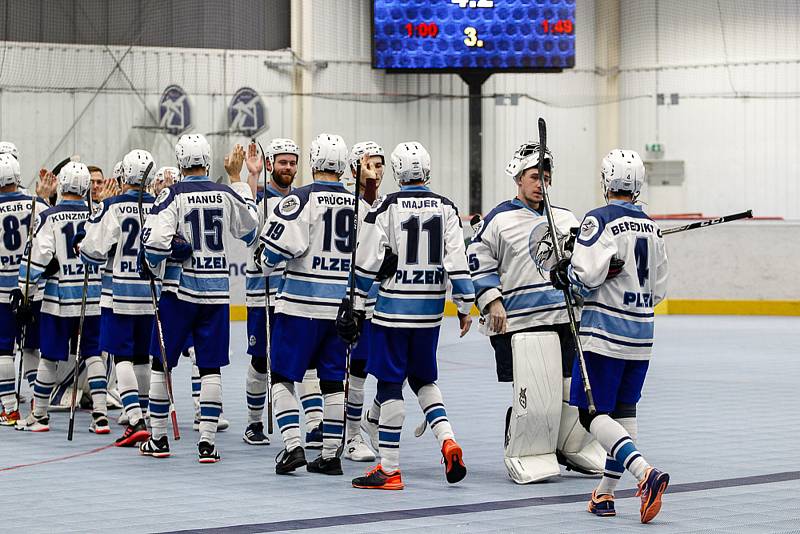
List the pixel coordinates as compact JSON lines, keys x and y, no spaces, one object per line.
{"x":473,"y":35}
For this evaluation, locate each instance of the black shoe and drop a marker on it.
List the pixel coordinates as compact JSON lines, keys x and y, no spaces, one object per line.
{"x":207,"y":453}
{"x":157,"y":448}
{"x":326,"y":466}
{"x":288,"y":461}
{"x":254,"y":434}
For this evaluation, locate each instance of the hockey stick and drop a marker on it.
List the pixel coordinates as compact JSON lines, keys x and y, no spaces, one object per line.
{"x":84,"y":293}
{"x":176,"y":433}
{"x":25,"y":299}
{"x":709,"y":222}
{"x":587,"y":388}
{"x":352,"y":297}
{"x":268,"y":342}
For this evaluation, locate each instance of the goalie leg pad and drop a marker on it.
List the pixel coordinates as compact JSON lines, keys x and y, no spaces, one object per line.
{"x":530,"y":452}
{"x":577,"y":449}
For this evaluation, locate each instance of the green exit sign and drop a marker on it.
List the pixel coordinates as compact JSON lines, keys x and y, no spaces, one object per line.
{"x":654,"y":147}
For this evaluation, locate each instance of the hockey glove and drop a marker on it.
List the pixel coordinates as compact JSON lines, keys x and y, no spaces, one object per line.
{"x":22,"y":310}
{"x":257,"y":253}
{"x":145,"y":273}
{"x":348,"y":322}
{"x":76,"y":242}
{"x":615,"y":268}
{"x":558,"y":274}
{"x":181,"y":249}
{"x":388,"y":267}
{"x":52,"y":268}
{"x":569,"y":243}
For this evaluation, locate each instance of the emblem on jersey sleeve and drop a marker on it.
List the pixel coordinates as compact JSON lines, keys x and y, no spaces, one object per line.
{"x":289,"y":205}
{"x":540,"y":247}
{"x":589,"y":228}
{"x":162,"y":196}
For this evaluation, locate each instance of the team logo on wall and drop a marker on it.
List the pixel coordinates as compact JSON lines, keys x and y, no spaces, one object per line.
{"x":540,"y":246}
{"x":174,"y":112}
{"x":247,"y":113}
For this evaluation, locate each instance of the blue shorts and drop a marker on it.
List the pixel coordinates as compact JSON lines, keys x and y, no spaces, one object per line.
{"x":32,"y":331}
{"x":300,"y":343}
{"x":362,"y":348}
{"x":256,"y":328}
{"x":125,"y":335}
{"x":8,"y":329}
{"x":208,"y":325}
{"x":399,"y":353}
{"x":58,"y":334}
{"x":614,"y":381}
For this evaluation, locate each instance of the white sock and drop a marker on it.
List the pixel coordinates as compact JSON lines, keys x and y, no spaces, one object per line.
{"x":129,"y":391}
{"x":355,"y":406}
{"x":618,"y":443}
{"x":332,"y":423}
{"x":374,"y":413}
{"x":30,"y":362}
{"x":210,"y":406}
{"x":390,"y":426}
{"x":256,"y":391}
{"x":98,"y":383}
{"x":311,"y":398}
{"x":287,"y":414}
{"x":614,"y":469}
{"x":43,"y":386}
{"x":430,"y":400}
{"x":8,"y":381}
{"x":142,"y":372}
{"x":159,"y":404}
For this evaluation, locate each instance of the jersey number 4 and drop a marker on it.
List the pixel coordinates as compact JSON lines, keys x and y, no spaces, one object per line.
{"x":641,"y":253}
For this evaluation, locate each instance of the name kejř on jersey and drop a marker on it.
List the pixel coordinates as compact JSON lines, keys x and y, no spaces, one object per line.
{"x":427,"y":277}
{"x":632,"y":226}
{"x":12,"y":208}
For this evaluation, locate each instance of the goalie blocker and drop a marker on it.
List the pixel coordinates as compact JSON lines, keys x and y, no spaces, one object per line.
{"x":542,"y":430}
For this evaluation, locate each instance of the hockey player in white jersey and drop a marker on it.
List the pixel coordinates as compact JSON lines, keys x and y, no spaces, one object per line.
{"x":112,"y":237}
{"x":204,"y":215}
{"x":510,"y":257}
{"x":53,"y":241}
{"x":423,"y":229}
{"x":356,"y":448}
{"x":620,"y":267}
{"x":15,"y":211}
{"x":310,"y":230}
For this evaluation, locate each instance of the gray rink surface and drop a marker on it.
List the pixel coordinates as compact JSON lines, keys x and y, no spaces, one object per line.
{"x":718,"y":404}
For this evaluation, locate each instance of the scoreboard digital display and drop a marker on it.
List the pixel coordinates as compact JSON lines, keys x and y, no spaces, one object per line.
{"x":473,"y":35}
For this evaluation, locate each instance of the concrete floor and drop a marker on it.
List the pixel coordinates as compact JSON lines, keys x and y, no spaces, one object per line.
{"x":718,"y":413}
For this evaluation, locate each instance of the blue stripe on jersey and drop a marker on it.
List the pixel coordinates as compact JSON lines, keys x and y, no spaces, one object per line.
{"x":72,"y":292}
{"x":250,"y":238}
{"x":86,"y":258}
{"x":193,"y":283}
{"x":270,"y":257}
{"x":412,"y":307}
{"x":617,"y":326}
{"x":592,"y":303}
{"x":462,"y":286}
{"x":532,"y":299}
{"x":364,"y":283}
{"x":325,"y":290}
{"x":616,"y":341}
{"x":132,"y":289}
{"x":488,"y":281}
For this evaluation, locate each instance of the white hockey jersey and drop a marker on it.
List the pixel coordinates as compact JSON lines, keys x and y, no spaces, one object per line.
{"x":510,"y":257}
{"x":255,"y":281}
{"x":310,"y":231}
{"x":424,"y":230}
{"x":617,"y":316}
{"x":206,"y":214}
{"x":15,"y":219}
{"x":372,"y":296}
{"x":112,"y":240}
{"x":55,"y":230}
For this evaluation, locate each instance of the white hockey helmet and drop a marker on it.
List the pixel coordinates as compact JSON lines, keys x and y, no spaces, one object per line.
{"x":74,"y":178}
{"x":193,"y":150}
{"x":134,"y":166}
{"x":9,"y":170}
{"x":527,"y":156}
{"x":368,"y":148}
{"x":117,"y":172}
{"x":161,"y":175}
{"x":328,"y":154}
{"x":282,"y":146}
{"x":622,"y":170}
{"x":7,"y":147}
{"x":411,"y":162}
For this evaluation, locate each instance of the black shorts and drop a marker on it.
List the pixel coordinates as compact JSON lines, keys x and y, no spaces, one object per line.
{"x":504,"y":360}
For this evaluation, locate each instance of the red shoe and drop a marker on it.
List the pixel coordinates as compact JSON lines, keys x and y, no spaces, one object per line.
{"x":377,"y":478}
{"x":9,"y":418}
{"x":133,"y":434}
{"x":453,"y":460}
{"x":651,"y":488}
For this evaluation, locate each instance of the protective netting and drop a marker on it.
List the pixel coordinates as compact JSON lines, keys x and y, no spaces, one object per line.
{"x":89,"y":76}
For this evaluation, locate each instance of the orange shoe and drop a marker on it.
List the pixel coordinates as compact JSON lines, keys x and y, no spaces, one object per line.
{"x":377,"y":478}
{"x":453,"y":461}
{"x":9,"y":418}
{"x":651,"y":488}
{"x":602,"y":505}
